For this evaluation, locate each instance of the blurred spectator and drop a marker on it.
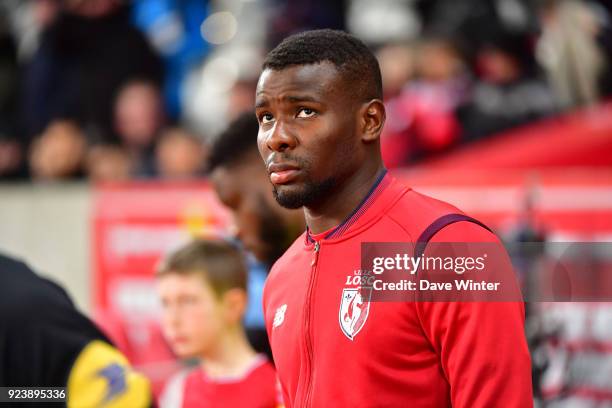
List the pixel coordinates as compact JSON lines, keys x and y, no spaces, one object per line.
{"x":174,"y":29}
{"x":397,"y":67}
{"x":85,"y":54}
{"x":27,"y":20}
{"x":421,"y":121}
{"x":58,"y":152}
{"x":179,"y":155}
{"x":139,"y":118}
{"x":11,"y":157}
{"x":228,"y":77}
{"x":473,"y":20}
{"x":11,"y":150}
{"x":108,"y":163}
{"x":568,"y":51}
{"x":507,"y":94}
{"x":8,"y":81}
{"x":241,"y":98}
{"x":383,"y":21}
{"x":203,"y":291}
{"x":292,"y":16}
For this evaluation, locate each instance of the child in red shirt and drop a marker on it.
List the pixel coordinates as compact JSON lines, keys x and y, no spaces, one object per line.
{"x":202,"y":287}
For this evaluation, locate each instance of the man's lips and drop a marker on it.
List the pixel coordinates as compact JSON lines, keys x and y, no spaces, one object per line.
{"x":282,"y":173}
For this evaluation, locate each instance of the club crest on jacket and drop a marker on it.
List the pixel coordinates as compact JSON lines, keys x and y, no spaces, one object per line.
{"x":354,"y":310}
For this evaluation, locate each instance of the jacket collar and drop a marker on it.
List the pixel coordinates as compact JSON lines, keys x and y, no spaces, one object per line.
{"x":370,"y":207}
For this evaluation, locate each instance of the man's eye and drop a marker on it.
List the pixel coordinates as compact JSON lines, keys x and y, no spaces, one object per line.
{"x":305,"y":113}
{"x":266,"y":118}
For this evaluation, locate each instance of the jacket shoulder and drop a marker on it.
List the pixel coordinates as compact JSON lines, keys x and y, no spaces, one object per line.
{"x":12,"y":265}
{"x":415,"y":211}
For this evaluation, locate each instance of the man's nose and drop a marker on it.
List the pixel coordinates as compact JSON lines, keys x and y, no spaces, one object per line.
{"x":280,"y":138}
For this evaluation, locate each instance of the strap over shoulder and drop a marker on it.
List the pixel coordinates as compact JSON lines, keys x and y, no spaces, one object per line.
{"x":437,"y":225}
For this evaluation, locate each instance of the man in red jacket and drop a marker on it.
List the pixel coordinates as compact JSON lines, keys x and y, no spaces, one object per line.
{"x":318,"y":103}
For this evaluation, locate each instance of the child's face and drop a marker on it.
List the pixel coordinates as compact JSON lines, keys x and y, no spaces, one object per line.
{"x":192,"y":316}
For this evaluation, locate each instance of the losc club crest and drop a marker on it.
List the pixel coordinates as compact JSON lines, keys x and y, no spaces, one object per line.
{"x":354,"y":309}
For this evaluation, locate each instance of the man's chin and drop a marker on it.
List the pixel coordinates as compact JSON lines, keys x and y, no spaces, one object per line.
{"x":303,"y":195}
{"x":289,"y":196}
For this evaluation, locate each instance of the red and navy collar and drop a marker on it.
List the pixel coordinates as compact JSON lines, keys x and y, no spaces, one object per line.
{"x":378,"y":186}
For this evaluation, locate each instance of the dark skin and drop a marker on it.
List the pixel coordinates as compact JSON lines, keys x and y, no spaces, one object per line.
{"x":260,"y":224}
{"x":316,"y":129}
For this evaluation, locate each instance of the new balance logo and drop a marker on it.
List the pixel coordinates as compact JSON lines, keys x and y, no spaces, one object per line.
{"x":279,"y":316}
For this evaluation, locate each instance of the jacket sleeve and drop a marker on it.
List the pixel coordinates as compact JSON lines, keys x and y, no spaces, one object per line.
{"x":481,"y":345}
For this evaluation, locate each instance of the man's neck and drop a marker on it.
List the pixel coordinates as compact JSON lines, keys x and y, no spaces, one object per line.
{"x":233,"y":356}
{"x":343,"y":202}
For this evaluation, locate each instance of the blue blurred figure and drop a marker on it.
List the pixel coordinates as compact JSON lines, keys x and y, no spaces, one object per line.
{"x":173,"y":28}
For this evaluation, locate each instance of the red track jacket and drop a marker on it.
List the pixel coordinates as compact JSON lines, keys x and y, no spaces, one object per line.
{"x":402,"y":354}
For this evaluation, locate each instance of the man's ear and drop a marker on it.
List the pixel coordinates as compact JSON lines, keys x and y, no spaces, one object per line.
{"x":372,"y":118}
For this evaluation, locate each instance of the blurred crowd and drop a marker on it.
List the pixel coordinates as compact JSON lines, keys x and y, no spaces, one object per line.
{"x":111,"y":90}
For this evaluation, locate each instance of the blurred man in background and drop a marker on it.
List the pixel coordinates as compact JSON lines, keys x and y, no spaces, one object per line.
{"x":242,"y":185}
{"x":108,"y":163}
{"x":422,"y":120}
{"x":58,"y":153}
{"x":46,"y":342}
{"x":264,"y":228}
{"x":138,"y":121}
{"x":179,"y":155}
{"x":87,"y":50}
{"x":202,"y":287}
{"x":508,"y":91}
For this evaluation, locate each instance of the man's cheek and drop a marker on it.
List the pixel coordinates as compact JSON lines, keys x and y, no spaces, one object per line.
{"x":262,"y":147}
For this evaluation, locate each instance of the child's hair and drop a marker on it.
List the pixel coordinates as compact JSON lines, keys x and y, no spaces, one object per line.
{"x":220,"y":263}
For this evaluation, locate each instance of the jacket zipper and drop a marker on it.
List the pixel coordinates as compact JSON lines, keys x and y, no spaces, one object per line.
{"x":309,"y":352}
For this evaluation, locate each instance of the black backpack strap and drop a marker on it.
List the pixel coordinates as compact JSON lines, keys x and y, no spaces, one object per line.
{"x":437,"y":225}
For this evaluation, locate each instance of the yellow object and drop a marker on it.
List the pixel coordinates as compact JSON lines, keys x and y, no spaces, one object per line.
{"x":102,"y":377}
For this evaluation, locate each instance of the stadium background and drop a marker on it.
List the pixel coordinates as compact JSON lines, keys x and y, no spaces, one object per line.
{"x":499,"y":107}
